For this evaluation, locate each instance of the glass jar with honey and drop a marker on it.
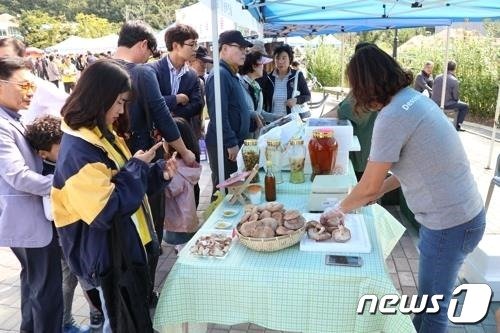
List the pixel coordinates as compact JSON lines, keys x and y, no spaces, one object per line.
{"x":323,"y":152}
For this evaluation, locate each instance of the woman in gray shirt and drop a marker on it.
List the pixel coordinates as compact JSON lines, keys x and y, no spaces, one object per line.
{"x":413,"y":139}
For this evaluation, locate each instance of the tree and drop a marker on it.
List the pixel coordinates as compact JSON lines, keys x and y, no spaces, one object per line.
{"x":42,"y":30}
{"x":91,"y":26}
{"x":158,"y":13}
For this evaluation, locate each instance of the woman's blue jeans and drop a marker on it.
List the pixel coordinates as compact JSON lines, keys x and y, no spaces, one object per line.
{"x":442,"y":253}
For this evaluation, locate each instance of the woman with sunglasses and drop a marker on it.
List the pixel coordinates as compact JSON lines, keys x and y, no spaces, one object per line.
{"x":99,"y":199}
{"x":415,"y":141}
{"x":23,"y":226}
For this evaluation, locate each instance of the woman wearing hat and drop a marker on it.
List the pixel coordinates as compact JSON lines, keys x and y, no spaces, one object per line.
{"x":253,"y":69}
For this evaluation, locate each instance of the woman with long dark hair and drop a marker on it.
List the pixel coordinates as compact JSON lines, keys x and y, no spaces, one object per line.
{"x":413,"y":139}
{"x":99,"y":197}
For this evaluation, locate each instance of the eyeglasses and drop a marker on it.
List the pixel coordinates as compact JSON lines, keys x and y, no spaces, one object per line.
{"x":193,"y":45}
{"x":25,"y":86}
{"x":154,"y":52}
{"x":242,"y":48}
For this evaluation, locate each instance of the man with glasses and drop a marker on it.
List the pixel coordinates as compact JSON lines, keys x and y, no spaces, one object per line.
{"x":23,"y":226}
{"x":234,"y":110}
{"x":180,"y":86}
{"x":47,"y":99}
{"x":150,"y":118}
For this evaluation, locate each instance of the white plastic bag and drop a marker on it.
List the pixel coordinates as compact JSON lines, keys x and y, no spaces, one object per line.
{"x":47,"y":208}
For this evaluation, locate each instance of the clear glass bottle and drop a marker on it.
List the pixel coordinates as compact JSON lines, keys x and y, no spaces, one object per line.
{"x":251,"y":155}
{"x":273,"y":154}
{"x":270,"y":183}
{"x":297,"y":157}
{"x":323,"y":152}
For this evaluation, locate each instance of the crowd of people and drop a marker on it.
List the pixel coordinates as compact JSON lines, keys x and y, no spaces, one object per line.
{"x":113,"y":162}
{"x":92,"y":180}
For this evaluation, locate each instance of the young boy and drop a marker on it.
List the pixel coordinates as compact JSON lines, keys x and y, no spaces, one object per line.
{"x":45,"y":134}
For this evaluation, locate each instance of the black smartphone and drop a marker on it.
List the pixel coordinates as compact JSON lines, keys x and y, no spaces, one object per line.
{"x":353,"y":261}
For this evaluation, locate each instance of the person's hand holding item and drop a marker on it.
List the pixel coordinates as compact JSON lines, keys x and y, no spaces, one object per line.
{"x":170,"y":167}
{"x":291,"y":102}
{"x":182,"y":99}
{"x":232,"y":153}
{"x":332,"y":213}
{"x":148,"y":155}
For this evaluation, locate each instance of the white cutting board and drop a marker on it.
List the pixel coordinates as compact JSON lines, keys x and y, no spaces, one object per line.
{"x":359,"y":242}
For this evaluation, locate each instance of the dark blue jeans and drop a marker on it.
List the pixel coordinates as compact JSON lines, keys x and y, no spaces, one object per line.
{"x":462,"y":109}
{"x":442,"y":253}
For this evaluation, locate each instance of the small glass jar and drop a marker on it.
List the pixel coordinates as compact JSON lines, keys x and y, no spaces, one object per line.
{"x":251,"y":155}
{"x":296,"y":157}
{"x":323,"y":152}
{"x":273,"y":154}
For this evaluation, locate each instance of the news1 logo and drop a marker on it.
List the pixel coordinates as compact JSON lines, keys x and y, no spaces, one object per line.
{"x":475,"y":304}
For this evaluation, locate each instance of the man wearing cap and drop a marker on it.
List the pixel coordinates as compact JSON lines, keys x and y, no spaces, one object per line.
{"x":199,"y":64}
{"x":234,"y":110}
{"x":200,"y":61}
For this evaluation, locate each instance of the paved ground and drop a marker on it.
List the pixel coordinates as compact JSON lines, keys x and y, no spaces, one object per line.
{"x":402,"y":264}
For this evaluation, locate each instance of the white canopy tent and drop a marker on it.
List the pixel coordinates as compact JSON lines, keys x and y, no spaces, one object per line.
{"x":76,"y":45}
{"x":231,"y":16}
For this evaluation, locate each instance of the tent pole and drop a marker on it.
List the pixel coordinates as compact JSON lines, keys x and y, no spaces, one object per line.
{"x":395,"y":44}
{"x":445,"y":69}
{"x":342,"y":62}
{"x":494,"y":129}
{"x":216,"y":69}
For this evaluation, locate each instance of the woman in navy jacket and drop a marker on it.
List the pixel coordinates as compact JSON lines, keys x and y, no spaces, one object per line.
{"x":277,"y":86}
{"x":99,"y":188}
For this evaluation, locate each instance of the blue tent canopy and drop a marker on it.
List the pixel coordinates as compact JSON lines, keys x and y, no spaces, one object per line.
{"x":301,"y":17}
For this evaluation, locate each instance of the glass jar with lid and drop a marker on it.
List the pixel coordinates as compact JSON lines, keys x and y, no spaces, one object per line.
{"x":296,"y":157}
{"x":273,"y":154}
{"x":323,"y":152}
{"x":251,"y":155}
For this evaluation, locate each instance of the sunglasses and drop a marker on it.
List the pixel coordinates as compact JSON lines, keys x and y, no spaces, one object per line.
{"x":25,"y":86}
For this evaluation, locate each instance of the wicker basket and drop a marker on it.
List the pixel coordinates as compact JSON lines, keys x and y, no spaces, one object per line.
{"x":271,"y":244}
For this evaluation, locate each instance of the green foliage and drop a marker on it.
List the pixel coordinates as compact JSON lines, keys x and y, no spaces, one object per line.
{"x":324,"y":63}
{"x":477,"y":63}
{"x":477,"y":69}
{"x":158,"y":13}
{"x":91,"y":26}
{"x":42,"y":30}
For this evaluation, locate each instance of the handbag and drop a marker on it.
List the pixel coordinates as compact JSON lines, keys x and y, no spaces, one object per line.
{"x":301,"y":109}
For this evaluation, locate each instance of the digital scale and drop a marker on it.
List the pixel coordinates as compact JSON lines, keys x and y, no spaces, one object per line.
{"x":326,"y":189}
